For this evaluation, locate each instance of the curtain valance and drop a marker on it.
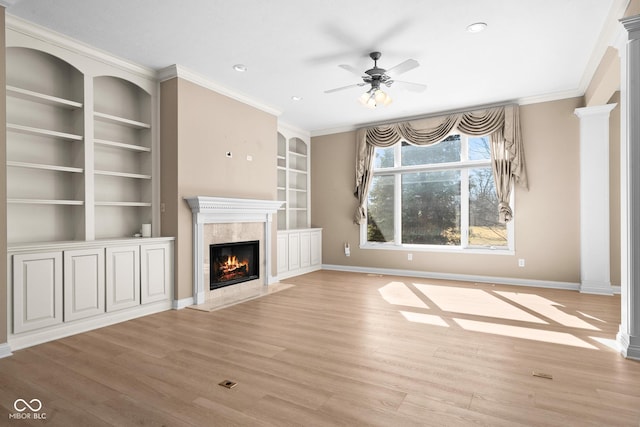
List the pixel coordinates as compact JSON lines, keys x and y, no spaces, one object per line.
{"x":502,"y":124}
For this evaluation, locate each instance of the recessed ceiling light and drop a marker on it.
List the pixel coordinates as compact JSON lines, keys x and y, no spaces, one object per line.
{"x":296,"y":98}
{"x":476,"y":27}
{"x":241,"y":68}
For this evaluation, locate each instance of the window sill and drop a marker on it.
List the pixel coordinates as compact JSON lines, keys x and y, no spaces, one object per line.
{"x":438,"y":249}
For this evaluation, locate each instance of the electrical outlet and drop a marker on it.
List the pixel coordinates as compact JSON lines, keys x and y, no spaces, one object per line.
{"x":410,"y":257}
{"x":521,"y":262}
{"x":347,"y":250}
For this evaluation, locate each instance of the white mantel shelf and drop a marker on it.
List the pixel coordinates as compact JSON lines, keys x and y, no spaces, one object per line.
{"x":224,"y":205}
{"x":219,"y":210}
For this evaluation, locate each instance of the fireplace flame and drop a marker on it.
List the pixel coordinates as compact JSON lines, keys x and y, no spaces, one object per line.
{"x":233,"y":265}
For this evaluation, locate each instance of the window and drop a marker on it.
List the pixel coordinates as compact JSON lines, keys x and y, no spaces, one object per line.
{"x":437,"y":196}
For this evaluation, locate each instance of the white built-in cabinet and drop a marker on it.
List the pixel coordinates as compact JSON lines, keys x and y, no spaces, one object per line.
{"x":78,"y":286}
{"x":82,"y":177}
{"x":298,"y":252}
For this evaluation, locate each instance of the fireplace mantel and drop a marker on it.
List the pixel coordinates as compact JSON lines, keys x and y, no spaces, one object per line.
{"x":216,"y":210}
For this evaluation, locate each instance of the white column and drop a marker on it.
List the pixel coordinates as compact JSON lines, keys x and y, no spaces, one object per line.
{"x":629,"y":333}
{"x":595,"y":266}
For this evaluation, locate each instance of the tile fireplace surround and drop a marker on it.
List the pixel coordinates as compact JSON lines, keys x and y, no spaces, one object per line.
{"x":223,"y":220}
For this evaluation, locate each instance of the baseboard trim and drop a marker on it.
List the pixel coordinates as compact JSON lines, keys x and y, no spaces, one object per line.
{"x":5,"y":350}
{"x":293,"y":273}
{"x":179,"y":304}
{"x":462,"y":277}
{"x":28,"y":339}
{"x":629,"y":346}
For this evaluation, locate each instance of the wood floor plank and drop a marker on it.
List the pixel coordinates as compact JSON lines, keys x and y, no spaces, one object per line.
{"x":344,"y":349}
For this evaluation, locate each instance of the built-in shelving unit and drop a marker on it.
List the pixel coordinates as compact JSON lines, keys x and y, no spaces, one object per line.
{"x":82,"y":177}
{"x":299,"y":245}
{"x":80,"y":138}
{"x":293,"y":180}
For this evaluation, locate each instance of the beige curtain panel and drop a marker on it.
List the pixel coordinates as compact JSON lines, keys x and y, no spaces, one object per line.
{"x":502,"y":124}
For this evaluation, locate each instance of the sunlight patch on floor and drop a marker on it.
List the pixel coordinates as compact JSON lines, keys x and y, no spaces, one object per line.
{"x":524,"y":333}
{"x":397,"y":293}
{"x":588,"y":316}
{"x":548,"y":309}
{"x":607,"y":342}
{"x":428,"y":319}
{"x":475,"y":302}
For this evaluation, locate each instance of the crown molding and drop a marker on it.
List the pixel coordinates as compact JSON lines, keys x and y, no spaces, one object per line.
{"x":606,"y":38}
{"x":286,"y":127}
{"x":184,"y":73}
{"x":8,"y":3}
{"x":62,"y":41}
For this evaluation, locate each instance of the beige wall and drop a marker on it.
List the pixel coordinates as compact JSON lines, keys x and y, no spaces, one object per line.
{"x":546,"y":217}
{"x":614,"y":190}
{"x":3,"y":188}
{"x":203,"y":126}
{"x":606,"y":80}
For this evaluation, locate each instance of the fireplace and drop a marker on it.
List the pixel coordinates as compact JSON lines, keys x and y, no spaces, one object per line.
{"x":232,"y":263}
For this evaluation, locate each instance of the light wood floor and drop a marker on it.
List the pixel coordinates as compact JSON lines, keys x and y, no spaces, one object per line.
{"x":343,"y":349}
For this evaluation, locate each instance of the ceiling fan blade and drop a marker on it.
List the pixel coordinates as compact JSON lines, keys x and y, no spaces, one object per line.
{"x":413,"y":87}
{"x":403,"y":67}
{"x":351,"y":69}
{"x":344,"y":87}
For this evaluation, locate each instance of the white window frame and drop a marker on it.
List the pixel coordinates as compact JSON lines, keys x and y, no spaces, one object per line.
{"x":464,"y":165}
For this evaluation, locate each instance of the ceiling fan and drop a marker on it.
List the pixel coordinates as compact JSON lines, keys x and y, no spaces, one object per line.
{"x":379,"y":76}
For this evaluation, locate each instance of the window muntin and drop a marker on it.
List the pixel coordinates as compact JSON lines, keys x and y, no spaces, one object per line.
{"x":442,"y":195}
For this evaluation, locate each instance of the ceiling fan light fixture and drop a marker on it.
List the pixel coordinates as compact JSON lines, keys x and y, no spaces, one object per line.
{"x":375,"y":97}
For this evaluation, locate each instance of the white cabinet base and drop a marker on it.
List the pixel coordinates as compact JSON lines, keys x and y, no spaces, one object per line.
{"x":299,"y":252}
{"x":64,"y":288}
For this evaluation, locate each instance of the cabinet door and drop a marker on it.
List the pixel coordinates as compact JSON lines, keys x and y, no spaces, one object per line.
{"x":83,"y":283}
{"x":305,"y":249}
{"x":283,"y":256}
{"x":294,"y":251}
{"x":37,"y":291}
{"x":155,"y":272}
{"x":123,"y":277}
{"x":316,"y":247}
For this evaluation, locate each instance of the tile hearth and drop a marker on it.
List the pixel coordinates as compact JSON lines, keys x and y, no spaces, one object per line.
{"x":237,"y":294}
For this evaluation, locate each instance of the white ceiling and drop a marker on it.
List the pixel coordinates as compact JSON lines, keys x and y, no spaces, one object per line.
{"x":531,"y":50}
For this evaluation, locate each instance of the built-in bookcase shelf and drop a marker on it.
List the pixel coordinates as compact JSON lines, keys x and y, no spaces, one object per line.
{"x":107,"y":118}
{"x":122,"y":145}
{"x":80,"y":145}
{"x":29,"y":130}
{"x":30,"y":95}
{"x":45,"y":202}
